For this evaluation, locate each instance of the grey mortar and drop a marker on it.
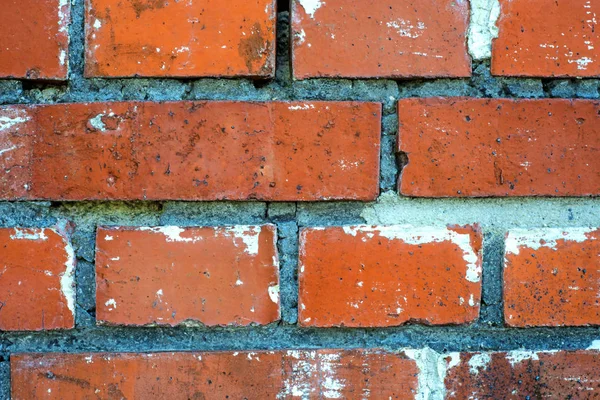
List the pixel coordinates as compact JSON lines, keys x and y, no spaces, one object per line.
{"x":494,"y":215}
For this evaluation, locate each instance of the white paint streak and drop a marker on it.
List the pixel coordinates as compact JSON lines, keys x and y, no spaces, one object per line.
{"x":7,"y":122}
{"x":29,"y":234}
{"x":97,"y":24}
{"x":478,"y":362}
{"x":424,"y":235}
{"x":11,"y":148}
{"x":311,"y":6}
{"x":67,"y":278}
{"x":172,"y":234}
{"x":274,"y":293}
{"x":111,"y":303}
{"x":302,"y":107}
{"x":249,"y":236}
{"x":518,"y":356}
{"x":482,"y":28}
{"x":433,"y":368}
{"x":595,"y":345}
{"x":97,"y":123}
{"x":406,"y":28}
{"x":544,"y":237}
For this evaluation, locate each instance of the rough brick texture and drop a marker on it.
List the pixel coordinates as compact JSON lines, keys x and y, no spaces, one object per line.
{"x":462,"y":147}
{"x":384,"y":276}
{"x":524,"y":375}
{"x":546,"y":38}
{"x":354,"y":38}
{"x":180,"y":38}
{"x":191,"y":151}
{"x":34,"y":39}
{"x":172,"y":275}
{"x":552,"y":277}
{"x":37,"y":270}
{"x":318,"y":374}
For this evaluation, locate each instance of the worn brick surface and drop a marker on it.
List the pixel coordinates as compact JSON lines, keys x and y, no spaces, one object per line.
{"x":180,"y":38}
{"x":524,"y":375}
{"x":462,"y":147}
{"x":172,"y":275}
{"x":37,"y":268}
{"x":384,"y":276}
{"x":552,"y":277}
{"x":316,"y":374}
{"x":34,"y":39}
{"x":353,"y":38}
{"x":547,"y":38}
{"x":191,"y":151}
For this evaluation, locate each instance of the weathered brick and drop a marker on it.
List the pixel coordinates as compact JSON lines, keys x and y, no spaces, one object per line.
{"x":37,"y":272}
{"x":524,"y":375}
{"x":463,"y":147}
{"x":190,"y":151}
{"x":172,"y":275}
{"x":34,"y":39}
{"x":552,"y":277}
{"x":392,"y":39}
{"x":545,"y":38}
{"x":294,"y":374}
{"x":180,"y":38}
{"x":385,"y":276}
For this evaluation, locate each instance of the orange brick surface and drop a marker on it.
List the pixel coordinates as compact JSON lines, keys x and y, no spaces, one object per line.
{"x":276,"y":151}
{"x":34,"y":39}
{"x":180,"y":38}
{"x":171,"y":275}
{"x":552,"y":277}
{"x":362,"y":39}
{"x":294,"y":374}
{"x":464,"y":147}
{"x":524,"y":374}
{"x":37,"y":273}
{"x":385,"y":276}
{"x":547,"y":38}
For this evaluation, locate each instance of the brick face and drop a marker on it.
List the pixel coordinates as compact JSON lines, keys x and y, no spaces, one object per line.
{"x":463,"y":147}
{"x":544,"y":38}
{"x":34,"y":39}
{"x":385,"y":276}
{"x":37,"y":268}
{"x":352,"y":38}
{"x":180,"y":38}
{"x":172,"y":275}
{"x":319,"y":374}
{"x":525,"y":374}
{"x":191,"y":151}
{"x":552,"y":277}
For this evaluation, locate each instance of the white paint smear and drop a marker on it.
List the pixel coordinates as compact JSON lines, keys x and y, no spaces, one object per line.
{"x":479,"y":362}
{"x":29,"y":234}
{"x":249,"y":236}
{"x":311,"y":6}
{"x":482,"y":28}
{"x":19,"y":117}
{"x":423,"y":235}
{"x":544,"y":237}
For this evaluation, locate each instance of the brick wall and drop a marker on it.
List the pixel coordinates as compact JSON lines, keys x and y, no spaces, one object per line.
{"x":321,"y":199}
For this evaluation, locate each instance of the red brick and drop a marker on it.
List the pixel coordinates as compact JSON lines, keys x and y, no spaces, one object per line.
{"x":386,"y":276}
{"x":382,"y":39}
{"x":552,"y":277}
{"x":191,"y":151}
{"x":34,"y":39}
{"x":545,"y":38}
{"x":462,"y":147}
{"x":180,"y":38}
{"x":172,"y":275}
{"x":523,"y":374}
{"x":318,"y":374}
{"x":37,"y":272}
